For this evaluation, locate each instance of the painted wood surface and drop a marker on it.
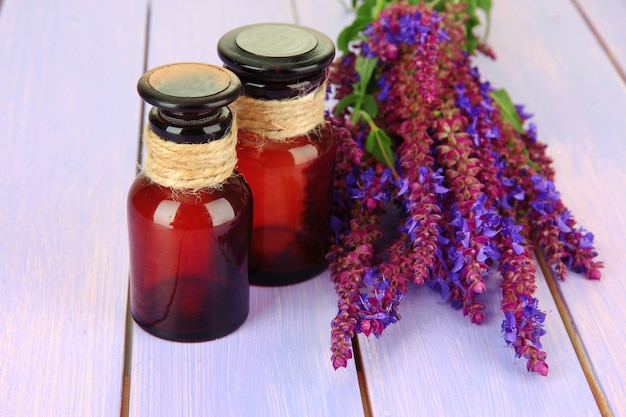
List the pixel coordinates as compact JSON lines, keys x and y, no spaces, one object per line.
{"x":580,"y":105}
{"x":434,"y":362}
{"x":68,"y":140}
{"x":278,"y":362}
{"x":607,"y":19}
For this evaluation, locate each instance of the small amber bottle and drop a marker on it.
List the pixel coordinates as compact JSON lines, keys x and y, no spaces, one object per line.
{"x":189,"y":212}
{"x":286,"y":147}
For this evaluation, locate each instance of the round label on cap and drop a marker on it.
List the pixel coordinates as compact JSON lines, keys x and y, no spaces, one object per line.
{"x":189,"y":80}
{"x":276,"y":41}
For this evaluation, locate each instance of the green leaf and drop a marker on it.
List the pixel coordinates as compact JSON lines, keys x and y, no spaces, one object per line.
{"x":365,"y":68}
{"x":439,"y":6}
{"x":351,"y":33}
{"x":507,"y":108}
{"x":364,"y":102}
{"x":471,"y":7}
{"x":369,"y":105}
{"x":379,"y":145}
{"x":474,"y":19}
{"x":365,"y":13}
{"x":365,"y":10}
{"x":471,"y":42}
{"x":345,"y":102}
{"x":380,"y":6}
{"x":485,"y":5}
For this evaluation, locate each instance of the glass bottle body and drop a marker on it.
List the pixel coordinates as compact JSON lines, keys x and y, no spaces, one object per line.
{"x":189,"y":259}
{"x":291,"y":182}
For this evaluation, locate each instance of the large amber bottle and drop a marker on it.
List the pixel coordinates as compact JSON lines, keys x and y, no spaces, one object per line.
{"x":286,"y":148}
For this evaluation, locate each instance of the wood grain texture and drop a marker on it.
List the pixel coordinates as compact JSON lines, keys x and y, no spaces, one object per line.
{"x":278,"y":362}
{"x":327,"y":16}
{"x":560,"y":72}
{"x":435,"y":362}
{"x":68,"y":139}
{"x":189,"y":30}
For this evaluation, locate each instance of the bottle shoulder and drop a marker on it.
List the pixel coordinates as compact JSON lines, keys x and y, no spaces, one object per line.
{"x":180,"y":209}
{"x":292,"y":151}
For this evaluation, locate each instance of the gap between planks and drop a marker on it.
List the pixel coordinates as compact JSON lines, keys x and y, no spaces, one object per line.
{"x":128,"y":355}
{"x":128,"y":339}
{"x":360,"y":373}
{"x":603,"y":44}
{"x":573,"y":335}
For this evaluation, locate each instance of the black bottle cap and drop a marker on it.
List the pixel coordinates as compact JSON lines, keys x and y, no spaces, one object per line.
{"x":275,"y":51}
{"x":189,"y":87}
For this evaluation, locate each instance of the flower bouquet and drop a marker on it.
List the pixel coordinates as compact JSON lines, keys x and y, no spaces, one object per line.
{"x":424,"y":139}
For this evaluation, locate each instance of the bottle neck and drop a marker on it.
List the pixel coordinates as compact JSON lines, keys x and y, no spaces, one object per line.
{"x":279,"y":87}
{"x":190,"y":151}
{"x":189,"y":167}
{"x":190,"y":128}
{"x":281,"y":119}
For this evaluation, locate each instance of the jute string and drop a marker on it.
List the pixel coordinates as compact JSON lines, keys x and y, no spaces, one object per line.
{"x":190,"y":166}
{"x":281,"y":119}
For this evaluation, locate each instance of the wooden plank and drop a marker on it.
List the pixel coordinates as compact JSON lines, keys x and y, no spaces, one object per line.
{"x":579,"y":101}
{"x":327,"y":16}
{"x":434,"y":362}
{"x":190,"y":31}
{"x":68,"y":133}
{"x":278,"y":362}
{"x":606,"y":19}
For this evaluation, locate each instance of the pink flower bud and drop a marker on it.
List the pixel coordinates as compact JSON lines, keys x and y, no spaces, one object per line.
{"x":541,"y":368}
{"x":595,"y":274}
{"x":366,"y":327}
{"x":339,"y":362}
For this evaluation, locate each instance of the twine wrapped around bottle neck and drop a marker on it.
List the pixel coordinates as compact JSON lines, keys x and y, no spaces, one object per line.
{"x":281,"y":119}
{"x":190,"y":166}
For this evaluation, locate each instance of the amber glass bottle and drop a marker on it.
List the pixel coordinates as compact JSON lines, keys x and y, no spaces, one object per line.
{"x":189,"y":213}
{"x":286,"y":148}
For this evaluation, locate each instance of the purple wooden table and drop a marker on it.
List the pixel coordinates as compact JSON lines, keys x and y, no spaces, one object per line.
{"x":70,"y":123}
